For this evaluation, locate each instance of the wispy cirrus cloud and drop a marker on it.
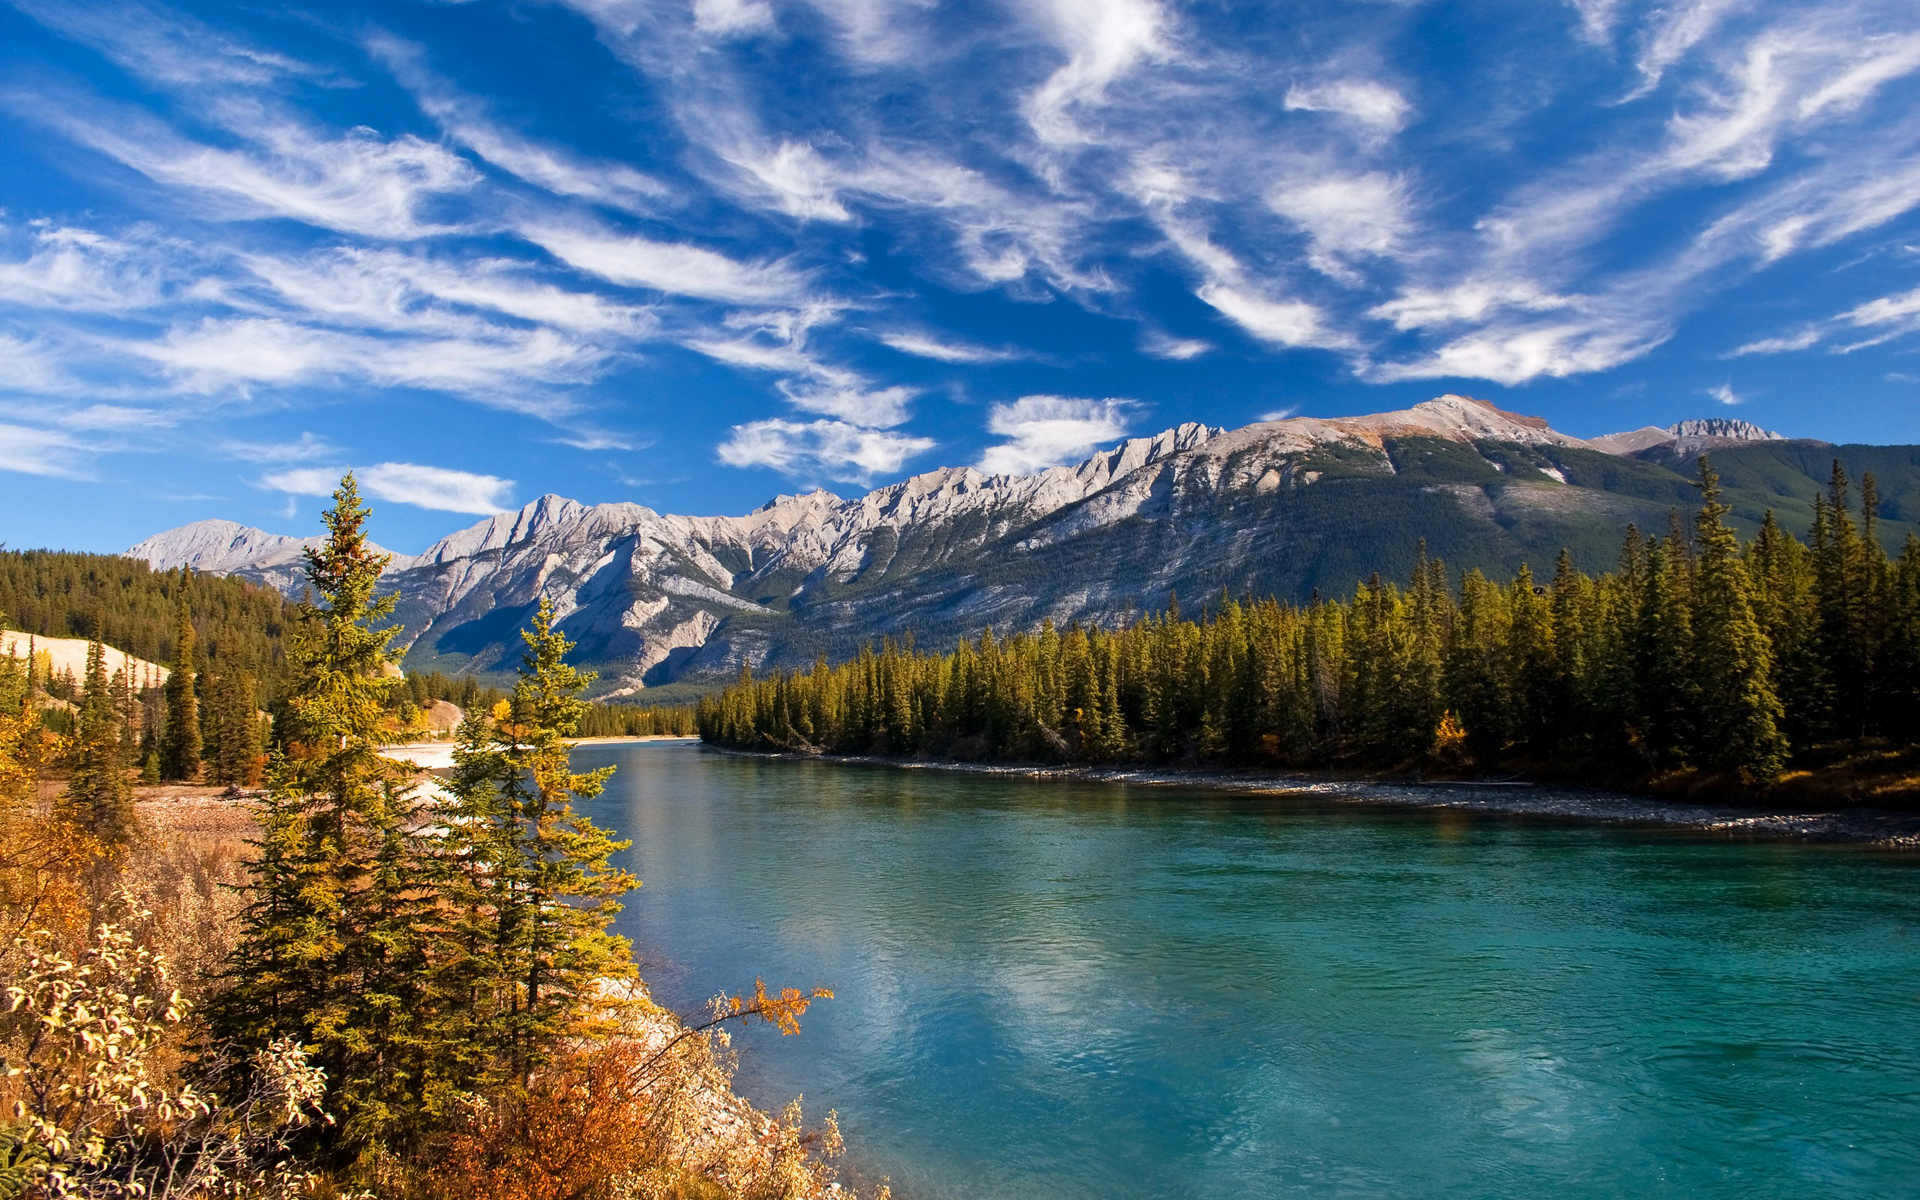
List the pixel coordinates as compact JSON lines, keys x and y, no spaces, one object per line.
{"x":30,"y":451}
{"x":356,"y":182}
{"x":1047,"y":431}
{"x":557,"y":169}
{"x":438,"y":488}
{"x":949,"y":350}
{"x":829,"y":449}
{"x":1373,"y":104}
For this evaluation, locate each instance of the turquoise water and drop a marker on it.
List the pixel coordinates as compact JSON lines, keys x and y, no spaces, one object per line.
{"x":1059,"y":990}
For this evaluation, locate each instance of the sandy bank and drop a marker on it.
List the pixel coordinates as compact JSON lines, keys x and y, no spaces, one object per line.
{"x":1864,"y":826}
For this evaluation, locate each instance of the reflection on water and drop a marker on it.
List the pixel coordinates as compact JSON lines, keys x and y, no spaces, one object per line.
{"x":1092,"y":991}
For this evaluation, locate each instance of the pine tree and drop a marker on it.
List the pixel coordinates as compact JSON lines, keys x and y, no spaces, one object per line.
{"x":332,"y":943}
{"x":98,"y":797}
{"x":180,"y":742}
{"x":236,"y":741}
{"x":1740,"y":714}
{"x":554,"y":889}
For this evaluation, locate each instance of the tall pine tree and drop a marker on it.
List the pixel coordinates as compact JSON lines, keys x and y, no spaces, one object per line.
{"x":1739,"y":712}
{"x":332,"y":946}
{"x":98,"y":797}
{"x":180,"y":741}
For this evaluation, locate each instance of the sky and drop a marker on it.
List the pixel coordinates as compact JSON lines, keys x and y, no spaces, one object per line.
{"x":697,"y":253}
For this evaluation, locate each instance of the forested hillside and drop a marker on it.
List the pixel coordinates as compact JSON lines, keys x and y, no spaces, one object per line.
{"x":1280,"y":508}
{"x":1696,"y":653}
{"x":134,"y":608}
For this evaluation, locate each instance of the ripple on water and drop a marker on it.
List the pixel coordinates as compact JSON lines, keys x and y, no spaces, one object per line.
{"x":1051,"y":988}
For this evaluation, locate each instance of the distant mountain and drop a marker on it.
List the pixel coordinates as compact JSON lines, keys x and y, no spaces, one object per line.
{"x":1685,"y":439}
{"x":1279,"y":507}
{"x":230,"y":548}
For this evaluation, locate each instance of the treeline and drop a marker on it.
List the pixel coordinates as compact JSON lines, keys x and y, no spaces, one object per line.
{"x":626,"y":720}
{"x":131,"y":607}
{"x":1696,"y":652}
{"x":224,"y":640}
{"x":417,"y":993}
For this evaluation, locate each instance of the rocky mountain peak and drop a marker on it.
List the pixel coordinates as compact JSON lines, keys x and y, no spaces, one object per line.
{"x":817,"y":498}
{"x":1724,"y":427}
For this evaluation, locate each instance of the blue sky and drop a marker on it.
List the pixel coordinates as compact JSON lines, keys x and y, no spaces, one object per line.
{"x":693,"y":253}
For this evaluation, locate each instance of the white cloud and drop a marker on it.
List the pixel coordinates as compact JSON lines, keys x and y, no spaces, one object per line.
{"x":221,"y":354}
{"x":436,"y":488}
{"x":80,"y":269}
{"x":1512,"y":353}
{"x":1046,"y":431}
{"x":926,"y":345}
{"x":115,"y":416}
{"x":674,"y":268}
{"x":1801,"y":340}
{"x":304,"y":448}
{"x":1282,"y":322}
{"x":732,"y":18}
{"x":1673,"y":31}
{"x":357,"y":183}
{"x":39,"y":452}
{"x":1465,"y":303}
{"x":880,"y":408}
{"x":389,"y":289}
{"x":1280,"y":414}
{"x":165,"y":46}
{"x":1103,"y":39}
{"x":1162,"y":345}
{"x":1885,"y":318}
{"x":1724,"y":393}
{"x":557,"y":169}
{"x":1374,"y":105}
{"x":792,"y":174}
{"x":1347,"y":217}
{"x":1887,"y":310}
{"x":830,"y":448}
{"x":1596,"y":19}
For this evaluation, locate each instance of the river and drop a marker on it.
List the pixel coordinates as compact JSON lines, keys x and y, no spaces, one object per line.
{"x":1100,"y":992}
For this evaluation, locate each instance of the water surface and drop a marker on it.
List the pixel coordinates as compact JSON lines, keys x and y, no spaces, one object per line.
{"x":1069,"y":990}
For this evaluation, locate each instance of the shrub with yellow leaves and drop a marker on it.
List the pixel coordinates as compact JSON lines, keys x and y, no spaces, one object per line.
{"x":90,"y":1055}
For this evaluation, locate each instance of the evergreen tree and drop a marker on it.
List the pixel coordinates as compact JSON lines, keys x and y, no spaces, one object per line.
{"x":1739,"y":712}
{"x":236,"y":741}
{"x":531,"y":882}
{"x":98,"y":798}
{"x":332,"y":945}
{"x":180,"y":742}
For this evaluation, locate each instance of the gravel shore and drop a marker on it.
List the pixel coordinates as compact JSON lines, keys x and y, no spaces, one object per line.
{"x":1863,"y":826}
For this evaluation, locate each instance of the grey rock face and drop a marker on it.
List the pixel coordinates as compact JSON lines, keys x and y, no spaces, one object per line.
{"x":651,"y":598}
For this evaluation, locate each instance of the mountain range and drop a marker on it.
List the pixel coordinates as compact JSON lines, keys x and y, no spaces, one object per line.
{"x":1280,"y":507}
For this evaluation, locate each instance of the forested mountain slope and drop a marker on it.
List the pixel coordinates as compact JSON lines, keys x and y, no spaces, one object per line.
{"x":1278,"y":508}
{"x":134,"y":608}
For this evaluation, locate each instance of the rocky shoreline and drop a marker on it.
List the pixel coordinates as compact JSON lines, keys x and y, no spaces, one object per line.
{"x":1876,"y":827}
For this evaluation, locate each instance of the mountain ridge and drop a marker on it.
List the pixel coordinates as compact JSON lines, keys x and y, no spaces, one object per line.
{"x":1281,"y":506}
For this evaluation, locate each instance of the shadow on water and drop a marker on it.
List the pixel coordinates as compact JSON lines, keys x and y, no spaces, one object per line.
{"x":1064,"y":989}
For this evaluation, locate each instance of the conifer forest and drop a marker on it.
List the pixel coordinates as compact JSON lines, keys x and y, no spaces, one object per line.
{"x":370,"y":980}
{"x":1696,"y":652}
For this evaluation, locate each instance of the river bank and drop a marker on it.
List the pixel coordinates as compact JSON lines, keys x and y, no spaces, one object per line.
{"x":1879,"y":827}
{"x":701,"y":1136}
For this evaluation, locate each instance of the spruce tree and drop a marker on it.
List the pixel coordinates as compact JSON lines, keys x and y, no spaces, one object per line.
{"x":332,"y":946}
{"x":180,"y":742}
{"x":98,"y":797}
{"x":236,"y":741}
{"x":525,"y":867}
{"x":1739,"y":711}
